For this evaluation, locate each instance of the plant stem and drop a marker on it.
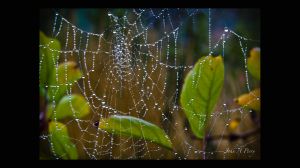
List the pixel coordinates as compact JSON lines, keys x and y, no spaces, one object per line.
{"x":204,"y":147}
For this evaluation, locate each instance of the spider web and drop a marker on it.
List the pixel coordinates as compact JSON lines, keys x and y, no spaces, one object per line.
{"x":136,"y":67}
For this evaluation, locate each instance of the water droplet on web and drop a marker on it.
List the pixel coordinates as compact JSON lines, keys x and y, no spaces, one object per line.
{"x":226,"y":29}
{"x":103,"y":102}
{"x":185,"y":128}
{"x":156,"y":104}
{"x":159,"y":108}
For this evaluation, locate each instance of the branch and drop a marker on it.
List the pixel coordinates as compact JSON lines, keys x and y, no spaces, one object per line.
{"x":233,"y":136}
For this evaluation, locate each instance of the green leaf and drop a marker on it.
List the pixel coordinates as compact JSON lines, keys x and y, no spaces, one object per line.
{"x":138,"y":128}
{"x":67,"y":69}
{"x":48,"y":58}
{"x":253,"y":63}
{"x":62,"y":145}
{"x":78,"y":108}
{"x":43,"y":92}
{"x":50,"y":108}
{"x":201,"y":90}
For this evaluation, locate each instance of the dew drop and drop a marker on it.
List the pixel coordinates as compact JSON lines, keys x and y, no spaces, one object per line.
{"x":226,"y":29}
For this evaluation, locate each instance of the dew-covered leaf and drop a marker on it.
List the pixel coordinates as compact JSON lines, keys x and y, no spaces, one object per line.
{"x":135,"y":127}
{"x":201,"y":90}
{"x":250,"y":100}
{"x":67,"y":73}
{"x":62,"y":145}
{"x":48,"y":54}
{"x":78,"y":108}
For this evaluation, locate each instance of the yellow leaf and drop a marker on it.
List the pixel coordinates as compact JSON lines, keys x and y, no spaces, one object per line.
{"x":250,"y":100}
{"x":254,"y":63}
{"x":234,"y":124}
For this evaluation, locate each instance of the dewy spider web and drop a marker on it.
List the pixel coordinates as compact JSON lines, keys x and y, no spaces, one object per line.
{"x":136,"y":67}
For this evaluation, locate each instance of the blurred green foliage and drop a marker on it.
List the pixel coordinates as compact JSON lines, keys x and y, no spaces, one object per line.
{"x":54,"y":83}
{"x":62,"y":145}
